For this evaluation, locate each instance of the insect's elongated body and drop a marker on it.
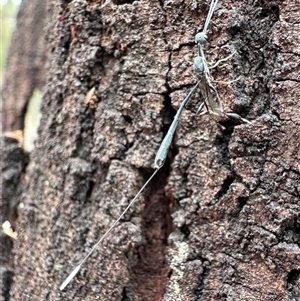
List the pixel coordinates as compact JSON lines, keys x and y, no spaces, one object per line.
{"x":162,"y":152}
{"x":211,"y":98}
{"x":212,"y":101}
{"x":213,"y":106}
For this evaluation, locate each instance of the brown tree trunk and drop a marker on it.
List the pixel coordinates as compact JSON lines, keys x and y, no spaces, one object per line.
{"x":220,"y":221}
{"x":25,"y":72}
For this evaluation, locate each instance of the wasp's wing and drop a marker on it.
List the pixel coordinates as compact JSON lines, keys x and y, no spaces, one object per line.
{"x":211,"y":97}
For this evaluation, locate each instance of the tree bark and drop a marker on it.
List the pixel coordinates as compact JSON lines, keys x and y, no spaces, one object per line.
{"x":24,"y":72}
{"x":220,"y":221}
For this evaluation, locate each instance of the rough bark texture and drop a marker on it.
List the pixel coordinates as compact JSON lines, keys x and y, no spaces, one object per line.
{"x":221,"y":220}
{"x":12,"y":161}
{"x":24,"y":72}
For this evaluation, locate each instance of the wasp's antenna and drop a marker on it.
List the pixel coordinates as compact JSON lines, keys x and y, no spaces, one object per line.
{"x":212,"y":8}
